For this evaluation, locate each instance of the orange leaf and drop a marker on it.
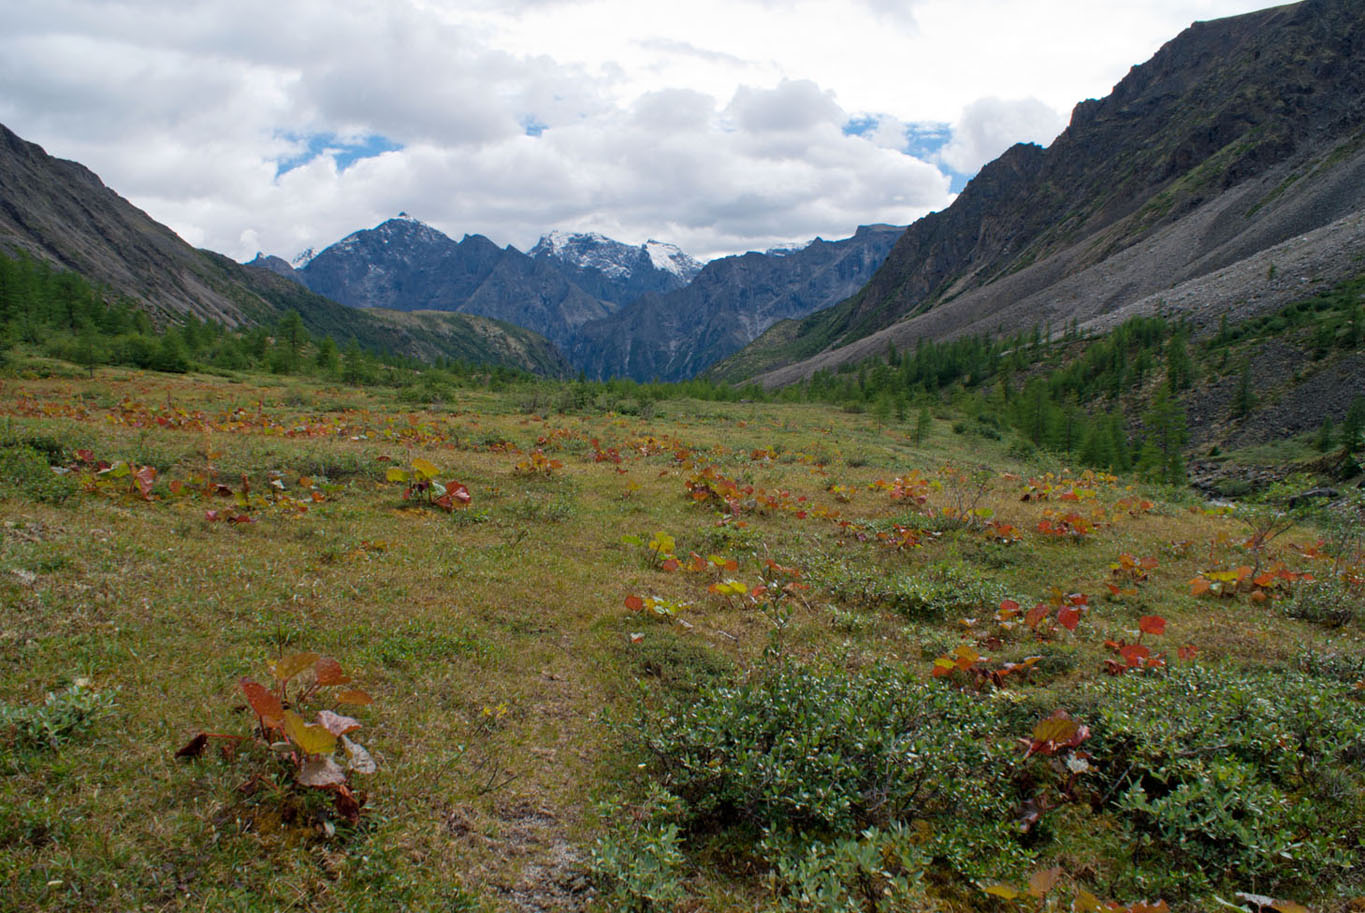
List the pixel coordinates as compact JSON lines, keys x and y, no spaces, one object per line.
{"x":355,"y":698}
{"x":635,"y":603}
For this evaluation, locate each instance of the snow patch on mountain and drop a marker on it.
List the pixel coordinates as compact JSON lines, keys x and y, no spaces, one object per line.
{"x":671,"y":259}
{"x":613,"y":259}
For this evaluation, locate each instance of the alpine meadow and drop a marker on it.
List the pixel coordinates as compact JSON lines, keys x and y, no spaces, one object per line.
{"x":1009,"y":560}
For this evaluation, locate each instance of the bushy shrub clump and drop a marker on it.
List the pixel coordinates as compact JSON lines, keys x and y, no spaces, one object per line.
{"x":876,"y":789}
{"x":1236,"y":777}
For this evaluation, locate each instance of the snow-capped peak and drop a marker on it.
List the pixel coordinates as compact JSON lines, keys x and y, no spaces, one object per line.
{"x":615,"y":260}
{"x":671,"y":259}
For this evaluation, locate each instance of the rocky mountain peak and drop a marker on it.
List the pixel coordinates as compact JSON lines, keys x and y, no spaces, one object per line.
{"x":615,"y":260}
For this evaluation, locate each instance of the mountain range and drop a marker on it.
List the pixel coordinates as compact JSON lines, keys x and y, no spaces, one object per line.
{"x":649,"y":311}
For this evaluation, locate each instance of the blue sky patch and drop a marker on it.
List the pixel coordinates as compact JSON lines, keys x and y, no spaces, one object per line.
{"x":532,"y":126}
{"x":345,"y":152}
{"x":923,"y":140}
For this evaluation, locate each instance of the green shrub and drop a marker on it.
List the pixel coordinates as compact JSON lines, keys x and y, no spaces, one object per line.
{"x":939,"y":591}
{"x":1326,"y":602}
{"x":806,"y":755}
{"x":1225,"y":778}
{"x":679,"y":665}
{"x":25,"y":473}
{"x":878,"y":870}
{"x":62,"y":717}
{"x":638,"y":863}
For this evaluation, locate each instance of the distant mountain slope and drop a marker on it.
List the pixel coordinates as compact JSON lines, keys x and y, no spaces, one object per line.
{"x":61,"y":212}
{"x":566,"y":281}
{"x":1238,"y":135}
{"x":732,"y":300}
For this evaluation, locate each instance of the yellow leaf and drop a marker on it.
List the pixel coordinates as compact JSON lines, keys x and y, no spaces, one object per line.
{"x":1288,"y":906}
{"x":310,"y":737}
{"x":425,"y":468}
{"x":1003,"y":890}
{"x":396,"y":475}
{"x":290,"y":666}
{"x":1086,"y":903}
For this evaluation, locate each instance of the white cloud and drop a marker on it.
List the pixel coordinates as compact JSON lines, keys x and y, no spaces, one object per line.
{"x":989,"y":126}
{"x":715,"y":123}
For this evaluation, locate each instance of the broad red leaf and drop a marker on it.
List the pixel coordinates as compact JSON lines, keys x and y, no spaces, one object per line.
{"x":347,"y":805}
{"x":328,"y":672}
{"x":635,"y":603}
{"x":1069,"y":617}
{"x":1037,"y":614}
{"x":1135,"y":654}
{"x":1189,"y":651}
{"x":1152,"y":624}
{"x":1009,"y":607}
{"x":459,"y":493}
{"x":263,"y":702}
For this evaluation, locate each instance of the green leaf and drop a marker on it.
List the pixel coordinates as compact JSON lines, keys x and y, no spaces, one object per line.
{"x":309,"y":737}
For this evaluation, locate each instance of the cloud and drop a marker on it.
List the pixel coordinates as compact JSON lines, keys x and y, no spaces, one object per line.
{"x":989,"y":126}
{"x":289,"y":125}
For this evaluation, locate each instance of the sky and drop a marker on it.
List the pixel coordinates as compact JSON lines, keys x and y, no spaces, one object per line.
{"x":719,"y":125}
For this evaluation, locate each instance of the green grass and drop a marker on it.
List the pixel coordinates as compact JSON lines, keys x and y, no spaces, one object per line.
{"x":512,"y":684}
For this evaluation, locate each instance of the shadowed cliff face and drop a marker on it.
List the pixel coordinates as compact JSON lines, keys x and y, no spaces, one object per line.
{"x":678,"y":335}
{"x":1271,"y":97}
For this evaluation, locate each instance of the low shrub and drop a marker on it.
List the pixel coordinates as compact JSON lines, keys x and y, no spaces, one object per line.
{"x":938,"y":591}
{"x":25,"y":473}
{"x":1327,"y":602}
{"x":804,"y":756}
{"x":62,"y":717}
{"x":1227,"y":778}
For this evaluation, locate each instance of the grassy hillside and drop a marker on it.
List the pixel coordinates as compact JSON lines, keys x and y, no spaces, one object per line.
{"x":669,"y":655}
